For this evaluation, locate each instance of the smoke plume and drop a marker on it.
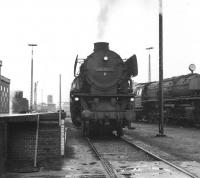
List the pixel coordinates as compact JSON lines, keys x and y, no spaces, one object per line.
{"x":105,"y":8}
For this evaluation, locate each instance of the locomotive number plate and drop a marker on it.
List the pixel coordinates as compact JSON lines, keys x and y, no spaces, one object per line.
{"x":104,"y":69}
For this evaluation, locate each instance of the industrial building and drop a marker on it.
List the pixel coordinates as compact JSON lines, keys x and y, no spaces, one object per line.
{"x":4,"y":94}
{"x":50,"y":105}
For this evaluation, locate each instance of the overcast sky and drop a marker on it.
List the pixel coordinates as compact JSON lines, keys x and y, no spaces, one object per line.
{"x":64,"y":28}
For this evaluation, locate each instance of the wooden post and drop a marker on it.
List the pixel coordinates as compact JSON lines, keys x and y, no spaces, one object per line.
{"x":1,"y":111}
{"x":36,"y":140}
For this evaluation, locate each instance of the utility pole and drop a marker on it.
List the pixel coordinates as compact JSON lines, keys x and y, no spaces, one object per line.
{"x":161,"y":115}
{"x":31,"y":95}
{"x":149,"y":77}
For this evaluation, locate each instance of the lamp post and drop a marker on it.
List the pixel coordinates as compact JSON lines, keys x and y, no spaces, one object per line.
{"x":0,"y":86}
{"x":35,"y":96}
{"x":31,"y":95}
{"x":149,"y":77}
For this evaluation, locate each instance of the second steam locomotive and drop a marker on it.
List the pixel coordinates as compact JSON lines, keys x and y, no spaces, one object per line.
{"x":181,"y":100}
{"x":101,"y":94}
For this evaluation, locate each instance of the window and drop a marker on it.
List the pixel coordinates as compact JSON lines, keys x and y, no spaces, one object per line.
{"x":139,"y":92}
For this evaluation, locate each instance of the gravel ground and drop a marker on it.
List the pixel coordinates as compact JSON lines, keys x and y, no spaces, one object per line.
{"x":117,"y":150}
{"x":183,"y":143}
{"x":128,"y":161}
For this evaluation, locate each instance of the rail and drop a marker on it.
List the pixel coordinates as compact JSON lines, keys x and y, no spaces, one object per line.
{"x":107,"y":166}
{"x":159,"y":158}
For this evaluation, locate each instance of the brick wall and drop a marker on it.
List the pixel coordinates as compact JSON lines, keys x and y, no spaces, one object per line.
{"x":49,"y":141}
{"x":2,"y":145}
{"x":22,"y":135}
{"x":21,"y":140}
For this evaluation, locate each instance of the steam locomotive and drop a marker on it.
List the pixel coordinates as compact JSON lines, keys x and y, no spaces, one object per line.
{"x":181,"y":100}
{"x":101,"y":94}
{"x":19,"y":103}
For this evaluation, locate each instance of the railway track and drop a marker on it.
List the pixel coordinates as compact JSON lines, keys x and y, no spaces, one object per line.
{"x":159,"y":158}
{"x":113,"y":171}
{"x":104,"y":162}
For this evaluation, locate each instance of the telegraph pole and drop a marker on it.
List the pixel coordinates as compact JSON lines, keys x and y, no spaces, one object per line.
{"x":31,"y":95}
{"x":149,"y":77}
{"x":161,"y":116}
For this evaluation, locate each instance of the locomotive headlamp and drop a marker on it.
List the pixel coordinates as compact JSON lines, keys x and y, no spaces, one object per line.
{"x":132,"y":99}
{"x":76,"y":98}
{"x":105,"y":58}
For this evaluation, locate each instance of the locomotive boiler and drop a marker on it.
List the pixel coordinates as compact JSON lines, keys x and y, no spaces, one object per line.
{"x":101,"y":94}
{"x":181,"y":100}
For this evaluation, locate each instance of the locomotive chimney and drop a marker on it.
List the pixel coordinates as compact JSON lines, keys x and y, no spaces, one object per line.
{"x":101,"y":46}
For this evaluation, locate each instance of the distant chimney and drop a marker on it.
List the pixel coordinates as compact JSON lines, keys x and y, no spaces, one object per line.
{"x":101,"y":46}
{"x":49,"y":99}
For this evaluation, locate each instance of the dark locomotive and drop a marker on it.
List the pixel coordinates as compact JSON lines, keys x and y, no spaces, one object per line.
{"x":181,"y":100}
{"x":19,"y":103}
{"x":101,"y":94}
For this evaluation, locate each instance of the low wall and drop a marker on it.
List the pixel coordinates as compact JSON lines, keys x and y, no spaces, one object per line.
{"x":18,"y":137}
{"x":3,"y":150}
{"x":22,"y":138}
